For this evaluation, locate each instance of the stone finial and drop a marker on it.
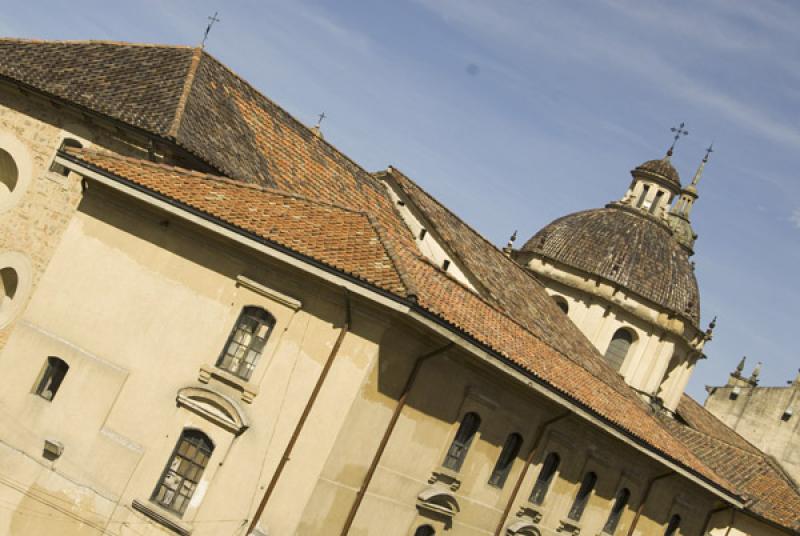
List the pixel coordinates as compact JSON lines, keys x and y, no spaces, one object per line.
{"x":740,"y":366}
{"x":510,"y":246}
{"x":710,"y":329}
{"x":797,"y":378}
{"x":756,"y":373}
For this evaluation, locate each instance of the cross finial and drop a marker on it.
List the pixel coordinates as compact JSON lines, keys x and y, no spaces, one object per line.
{"x":709,"y":150}
{"x":320,"y":118}
{"x":679,"y":131}
{"x":211,"y":20}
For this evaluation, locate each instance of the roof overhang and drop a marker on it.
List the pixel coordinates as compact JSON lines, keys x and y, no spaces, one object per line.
{"x":390,"y":301}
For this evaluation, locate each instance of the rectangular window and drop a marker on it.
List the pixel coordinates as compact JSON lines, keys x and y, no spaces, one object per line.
{"x":183,"y":472}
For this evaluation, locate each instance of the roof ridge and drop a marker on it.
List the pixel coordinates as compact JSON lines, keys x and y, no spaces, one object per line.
{"x":468,"y":226}
{"x":187,"y":88}
{"x":77,"y":151}
{"x":89,"y":42}
{"x":718,"y":420}
{"x":388,"y":246}
{"x":289,"y":115}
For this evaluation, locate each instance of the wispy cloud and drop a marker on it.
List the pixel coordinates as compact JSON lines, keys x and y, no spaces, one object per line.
{"x":583,"y":42}
{"x":795,"y":218}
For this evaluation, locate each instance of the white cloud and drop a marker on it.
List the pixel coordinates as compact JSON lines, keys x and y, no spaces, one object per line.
{"x":795,"y":218}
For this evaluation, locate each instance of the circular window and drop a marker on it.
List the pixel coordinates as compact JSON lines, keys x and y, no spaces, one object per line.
{"x":15,"y":284}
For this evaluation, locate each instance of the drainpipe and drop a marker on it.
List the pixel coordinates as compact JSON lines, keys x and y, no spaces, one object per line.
{"x":711,"y":514}
{"x":528,"y":461}
{"x":387,"y":434}
{"x":303,"y":417}
{"x":644,"y":501}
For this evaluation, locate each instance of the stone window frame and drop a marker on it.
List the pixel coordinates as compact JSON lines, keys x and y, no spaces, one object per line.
{"x":23,"y":160}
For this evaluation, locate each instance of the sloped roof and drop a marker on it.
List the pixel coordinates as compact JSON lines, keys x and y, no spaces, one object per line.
{"x":341,"y":238}
{"x":768,"y":491}
{"x":663,"y":168}
{"x":628,"y":248}
{"x":253,"y":140}
{"x":435,"y":292}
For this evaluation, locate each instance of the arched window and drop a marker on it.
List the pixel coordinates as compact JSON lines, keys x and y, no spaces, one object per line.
{"x":9,"y":174}
{"x":52,"y":375}
{"x":656,"y":201}
{"x":616,"y":511}
{"x":458,"y":449}
{"x":424,"y":530}
{"x":673,"y":525}
{"x":545,"y":478}
{"x":9,"y":280}
{"x":246,"y":342}
{"x":643,"y":195}
{"x":183,"y":472}
{"x":618,"y":348}
{"x":505,"y":460}
{"x":582,"y":498}
{"x":562,"y":303}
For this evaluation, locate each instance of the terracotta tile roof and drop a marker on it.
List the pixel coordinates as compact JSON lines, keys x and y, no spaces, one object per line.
{"x":436,"y":293}
{"x":704,"y":421}
{"x":625,"y":247}
{"x":222,"y":119}
{"x":769,"y":493}
{"x":343,"y":239}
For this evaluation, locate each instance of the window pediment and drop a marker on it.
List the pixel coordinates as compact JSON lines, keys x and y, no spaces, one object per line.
{"x":215,"y":407}
{"x":438,"y":500}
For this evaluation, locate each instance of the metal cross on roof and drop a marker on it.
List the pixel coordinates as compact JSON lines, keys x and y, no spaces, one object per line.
{"x":211,"y":20}
{"x":709,"y":150}
{"x":679,"y":131}
{"x":321,"y":117}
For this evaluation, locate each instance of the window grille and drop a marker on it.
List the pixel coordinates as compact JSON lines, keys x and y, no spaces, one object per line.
{"x":545,"y":478}
{"x":246,"y":342}
{"x":616,"y":511}
{"x":618,"y":348}
{"x":54,"y":372}
{"x":183,"y":472}
{"x":458,"y":449}
{"x":587,"y":485}
{"x":505,"y":460}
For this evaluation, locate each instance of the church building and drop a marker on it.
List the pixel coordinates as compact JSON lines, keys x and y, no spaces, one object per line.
{"x":215,"y":323}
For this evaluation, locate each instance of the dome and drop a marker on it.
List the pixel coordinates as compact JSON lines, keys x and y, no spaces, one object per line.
{"x":663,"y":169}
{"x":632,"y":250}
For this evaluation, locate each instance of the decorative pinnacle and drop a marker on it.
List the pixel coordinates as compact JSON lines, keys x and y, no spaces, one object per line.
{"x":710,"y":329}
{"x":679,"y":131}
{"x":756,"y":373}
{"x":510,"y":246}
{"x":740,"y":366}
{"x":702,"y":165}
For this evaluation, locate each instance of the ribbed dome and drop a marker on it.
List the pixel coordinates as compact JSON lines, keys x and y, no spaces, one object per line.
{"x":627,"y":248}
{"x":663,"y":168}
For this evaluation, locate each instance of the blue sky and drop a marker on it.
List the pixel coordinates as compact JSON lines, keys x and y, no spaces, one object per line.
{"x":514,"y":113}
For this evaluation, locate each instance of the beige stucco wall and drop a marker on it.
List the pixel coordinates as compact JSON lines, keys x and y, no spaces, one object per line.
{"x":140,"y":304}
{"x":656,"y":362}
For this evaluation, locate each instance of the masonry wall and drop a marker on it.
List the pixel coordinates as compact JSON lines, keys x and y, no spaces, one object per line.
{"x":760,"y":415}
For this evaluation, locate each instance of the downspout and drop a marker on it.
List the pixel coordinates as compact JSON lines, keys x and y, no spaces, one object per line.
{"x":528,"y":461}
{"x":644,"y":501}
{"x":303,"y":417}
{"x":387,"y":434}
{"x":711,"y":514}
